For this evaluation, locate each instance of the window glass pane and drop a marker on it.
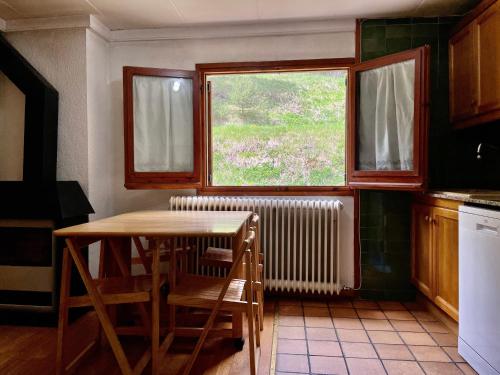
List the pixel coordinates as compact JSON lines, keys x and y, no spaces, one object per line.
{"x":163,"y":124}
{"x":278,"y":129}
{"x":385,"y":117}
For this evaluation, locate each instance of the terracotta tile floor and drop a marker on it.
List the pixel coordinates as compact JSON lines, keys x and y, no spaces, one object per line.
{"x":363,"y":337}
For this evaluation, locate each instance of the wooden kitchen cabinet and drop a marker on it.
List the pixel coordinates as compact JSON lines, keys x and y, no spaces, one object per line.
{"x":463,"y":102}
{"x":421,"y":257}
{"x":445,"y":247}
{"x":474,"y":72}
{"x":487,"y":38}
{"x":435,"y":252}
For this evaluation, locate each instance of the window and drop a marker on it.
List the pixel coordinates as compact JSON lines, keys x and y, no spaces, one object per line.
{"x":279,"y":127}
{"x":162,"y":134}
{"x":388,"y":121}
{"x":273,"y":127}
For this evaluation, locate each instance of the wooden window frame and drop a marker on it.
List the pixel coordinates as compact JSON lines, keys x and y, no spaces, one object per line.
{"x":159,"y":180}
{"x":205,"y":70}
{"x":415,"y":179}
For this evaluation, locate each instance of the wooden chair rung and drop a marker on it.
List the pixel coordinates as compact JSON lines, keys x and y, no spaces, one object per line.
{"x":217,"y":257}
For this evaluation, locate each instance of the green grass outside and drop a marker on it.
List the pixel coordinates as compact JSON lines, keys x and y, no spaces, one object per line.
{"x":275,"y":129}
{"x":272,"y":155}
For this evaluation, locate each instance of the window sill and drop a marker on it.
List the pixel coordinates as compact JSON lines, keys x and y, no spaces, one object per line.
{"x":277,"y":190}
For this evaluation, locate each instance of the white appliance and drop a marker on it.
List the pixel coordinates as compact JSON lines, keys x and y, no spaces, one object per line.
{"x":479,"y":288}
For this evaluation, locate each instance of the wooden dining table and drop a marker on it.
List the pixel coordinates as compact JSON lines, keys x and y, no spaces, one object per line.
{"x":116,"y":235}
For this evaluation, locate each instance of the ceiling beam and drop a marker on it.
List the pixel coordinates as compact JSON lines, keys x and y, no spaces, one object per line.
{"x":182,"y":32}
{"x":235,"y":30}
{"x":68,"y":22}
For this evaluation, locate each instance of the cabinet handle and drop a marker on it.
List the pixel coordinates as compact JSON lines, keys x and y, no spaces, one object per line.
{"x":427,"y":218}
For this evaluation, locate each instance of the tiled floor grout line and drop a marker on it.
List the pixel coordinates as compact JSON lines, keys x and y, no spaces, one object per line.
{"x":338,"y":338}
{"x":406,"y":345}
{"x":372,"y":343}
{"x":274,"y":350}
{"x":330,"y":306}
{"x":306,"y":337}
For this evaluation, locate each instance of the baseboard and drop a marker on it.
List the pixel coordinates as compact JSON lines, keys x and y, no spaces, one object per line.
{"x":438,"y":313}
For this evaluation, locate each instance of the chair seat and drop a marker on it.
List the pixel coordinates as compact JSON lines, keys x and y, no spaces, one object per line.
{"x":166,"y":252}
{"x":203,"y":291}
{"x":217,"y":257}
{"x":116,"y":290}
{"x":128,"y":284}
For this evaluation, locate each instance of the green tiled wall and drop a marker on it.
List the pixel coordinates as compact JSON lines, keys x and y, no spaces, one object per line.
{"x":385,"y":215}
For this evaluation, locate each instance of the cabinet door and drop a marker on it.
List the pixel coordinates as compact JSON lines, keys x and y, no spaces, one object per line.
{"x":488,"y":49}
{"x":445,"y":241}
{"x":463,"y":75}
{"x":421,"y":267}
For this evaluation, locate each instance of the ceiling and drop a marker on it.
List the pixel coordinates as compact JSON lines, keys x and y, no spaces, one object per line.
{"x":132,"y":14}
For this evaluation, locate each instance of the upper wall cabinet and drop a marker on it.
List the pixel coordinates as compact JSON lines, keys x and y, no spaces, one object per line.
{"x":388,"y":116}
{"x":474,"y":69}
{"x":162,"y":135}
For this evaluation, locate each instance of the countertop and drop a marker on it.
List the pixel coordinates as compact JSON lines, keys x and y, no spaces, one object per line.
{"x":470,"y":196}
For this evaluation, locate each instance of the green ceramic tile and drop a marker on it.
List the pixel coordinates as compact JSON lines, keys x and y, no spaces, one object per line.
{"x":385,"y":215}
{"x":373,"y":45}
{"x":425,"y":20}
{"x":372,"y":294}
{"x":374,"y":22}
{"x":398,"y":31}
{"x":398,"y":44}
{"x":373,"y":32}
{"x":424,"y":29}
{"x":452,"y":20}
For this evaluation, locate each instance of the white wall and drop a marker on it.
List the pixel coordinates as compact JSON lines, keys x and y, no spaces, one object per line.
{"x":87,"y":72}
{"x":185,"y":54}
{"x":59,"y":55}
{"x":100,"y":133}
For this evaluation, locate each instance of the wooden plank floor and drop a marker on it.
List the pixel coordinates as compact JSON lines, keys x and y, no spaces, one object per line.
{"x":31,"y":351}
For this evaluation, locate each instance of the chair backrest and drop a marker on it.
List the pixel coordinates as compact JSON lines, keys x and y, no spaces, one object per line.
{"x":246,"y":246}
{"x":254,"y":226}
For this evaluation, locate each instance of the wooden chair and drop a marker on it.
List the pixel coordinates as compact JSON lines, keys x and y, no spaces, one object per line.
{"x":218,"y":294}
{"x":182,"y":253}
{"x":103,"y":293}
{"x":219,"y":257}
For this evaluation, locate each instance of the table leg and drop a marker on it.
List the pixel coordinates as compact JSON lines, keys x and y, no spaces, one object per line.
{"x":63,"y":311}
{"x":238,"y":317}
{"x":100,"y":308}
{"x":125,"y":271}
{"x":111,"y":268}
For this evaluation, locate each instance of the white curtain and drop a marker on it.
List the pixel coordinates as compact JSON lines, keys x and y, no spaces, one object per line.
{"x":163,"y":124}
{"x":386,"y":113}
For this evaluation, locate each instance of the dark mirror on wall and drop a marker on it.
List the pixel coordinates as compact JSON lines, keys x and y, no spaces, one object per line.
{"x":12,"y":107}
{"x":28,"y":120}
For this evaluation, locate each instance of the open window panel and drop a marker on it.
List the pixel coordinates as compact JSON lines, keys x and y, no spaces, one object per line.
{"x":388,"y":116}
{"x":162,"y":128}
